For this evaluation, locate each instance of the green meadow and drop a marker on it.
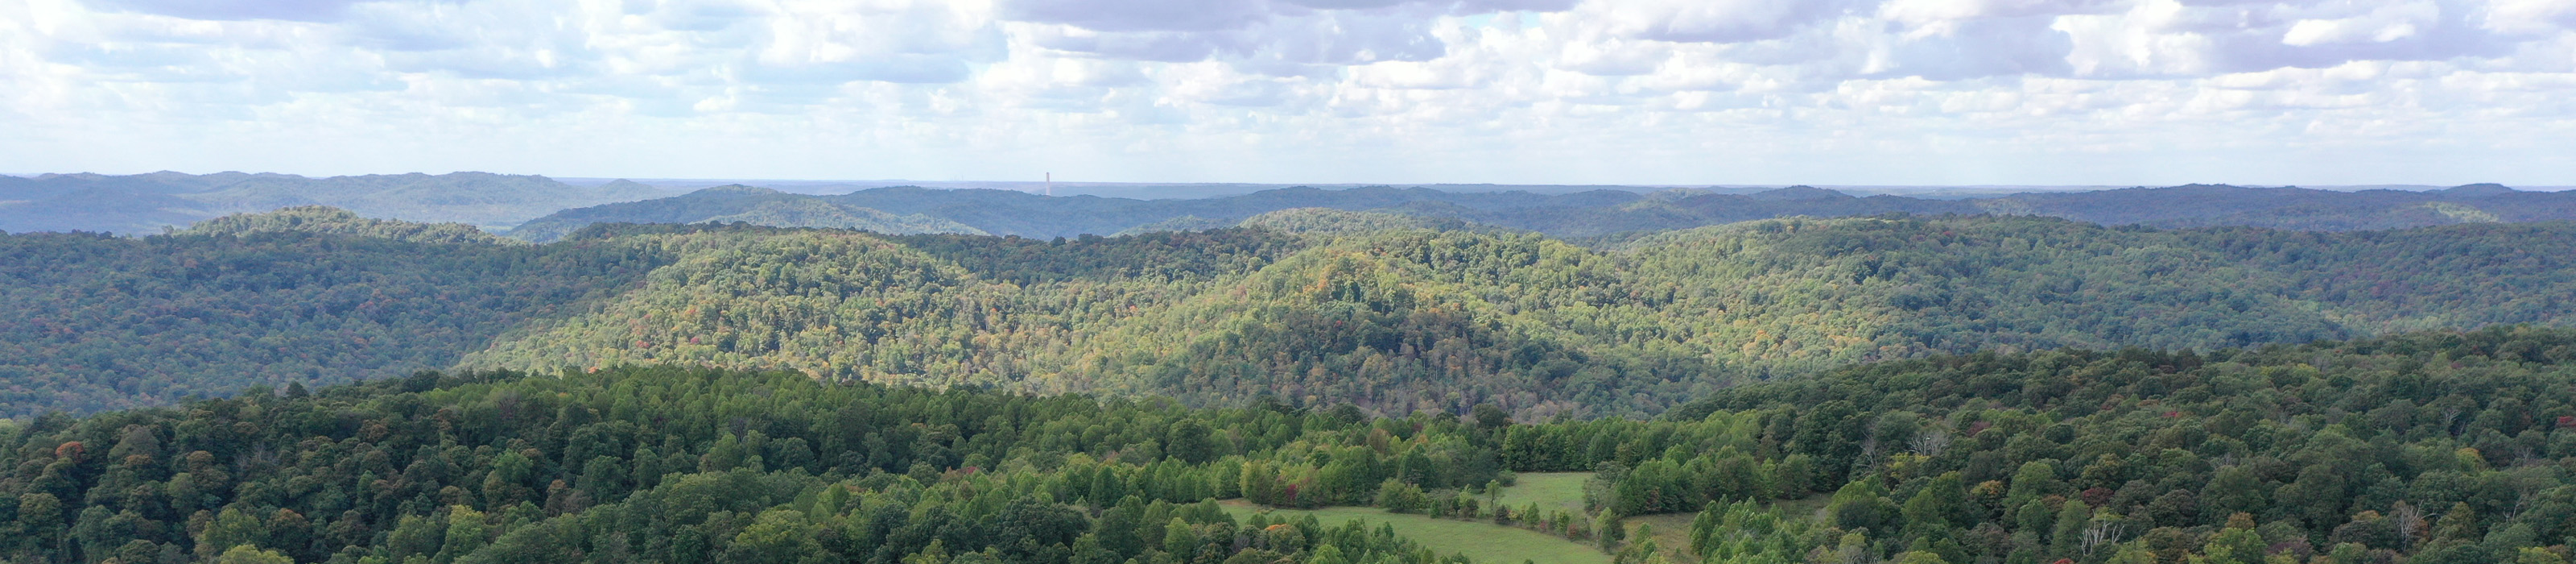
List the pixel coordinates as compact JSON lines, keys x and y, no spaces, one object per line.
{"x":1557,"y":491}
{"x":1483,"y":541}
{"x":1493,"y":544}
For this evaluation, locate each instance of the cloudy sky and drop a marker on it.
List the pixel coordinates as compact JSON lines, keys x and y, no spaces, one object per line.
{"x":1505,"y":91}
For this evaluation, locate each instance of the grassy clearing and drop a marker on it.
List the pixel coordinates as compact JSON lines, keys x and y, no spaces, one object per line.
{"x":1812,"y":507}
{"x":1672,"y":532}
{"x":1555,"y":491}
{"x":1484,"y":542}
{"x":1558,"y":491}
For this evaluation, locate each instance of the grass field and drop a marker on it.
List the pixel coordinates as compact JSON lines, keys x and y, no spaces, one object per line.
{"x":1558,"y":491}
{"x":1484,"y":542}
{"x":1487,"y":543}
{"x":1672,"y":530}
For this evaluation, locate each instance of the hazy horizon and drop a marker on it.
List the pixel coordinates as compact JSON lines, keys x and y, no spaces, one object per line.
{"x":1186,"y":190}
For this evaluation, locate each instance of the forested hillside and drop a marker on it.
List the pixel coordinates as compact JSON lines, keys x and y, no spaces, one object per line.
{"x":2430,"y":447}
{"x":1311,"y":307}
{"x":659,"y":465}
{"x":2421,"y":448}
{"x":737,"y":204}
{"x":98,"y":322}
{"x":1404,"y":319}
{"x":325,"y":220}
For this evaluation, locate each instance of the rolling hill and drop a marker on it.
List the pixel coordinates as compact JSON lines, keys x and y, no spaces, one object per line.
{"x":1307,"y":306}
{"x":737,"y":203}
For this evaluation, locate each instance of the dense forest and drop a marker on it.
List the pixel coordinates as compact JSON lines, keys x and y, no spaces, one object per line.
{"x":1295,"y":376}
{"x":100,"y":322}
{"x":1389,"y":313}
{"x":1402,"y":319}
{"x":2431,"y":447}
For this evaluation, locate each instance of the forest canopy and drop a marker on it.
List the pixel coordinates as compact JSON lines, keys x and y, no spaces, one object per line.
{"x":2424,"y":447}
{"x":1313,"y":308}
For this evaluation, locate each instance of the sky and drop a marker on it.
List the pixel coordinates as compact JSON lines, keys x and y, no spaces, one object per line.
{"x":1919,"y":92}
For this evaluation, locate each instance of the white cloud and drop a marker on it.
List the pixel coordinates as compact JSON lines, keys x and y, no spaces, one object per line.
{"x":298,"y":10}
{"x":2384,"y":23}
{"x":1711,"y":21}
{"x":1664,"y":91}
{"x":2533,"y":17}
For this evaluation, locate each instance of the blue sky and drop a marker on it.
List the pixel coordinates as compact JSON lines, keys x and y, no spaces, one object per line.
{"x":1400,"y":91}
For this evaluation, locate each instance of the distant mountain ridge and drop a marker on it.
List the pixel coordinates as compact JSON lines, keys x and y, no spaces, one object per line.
{"x":149,"y":203}
{"x":743,"y":204}
{"x":1585,"y":214}
{"x":538,"y":208}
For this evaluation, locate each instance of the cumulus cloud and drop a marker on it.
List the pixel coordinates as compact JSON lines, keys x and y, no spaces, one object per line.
{"x":1140,"y":15}
{"x":300,"y":10}
{"x":1713,"y":21}
{"x":1296,"y":90}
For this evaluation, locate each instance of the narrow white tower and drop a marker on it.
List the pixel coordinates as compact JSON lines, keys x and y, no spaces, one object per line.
{"x":1050,"y":184}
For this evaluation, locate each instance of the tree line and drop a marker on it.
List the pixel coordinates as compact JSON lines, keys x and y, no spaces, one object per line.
{"x":2429,"y":447}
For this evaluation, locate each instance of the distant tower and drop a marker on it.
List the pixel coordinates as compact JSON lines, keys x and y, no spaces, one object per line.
{"x":1050,"y":184}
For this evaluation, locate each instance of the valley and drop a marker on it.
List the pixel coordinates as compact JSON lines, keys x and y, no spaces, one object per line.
{"x":1308,"y":384}
{"x":1287,"y":282}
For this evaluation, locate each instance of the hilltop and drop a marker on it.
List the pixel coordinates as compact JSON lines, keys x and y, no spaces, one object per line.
{"x":738,"y":203}
{"x":1387,"y":312}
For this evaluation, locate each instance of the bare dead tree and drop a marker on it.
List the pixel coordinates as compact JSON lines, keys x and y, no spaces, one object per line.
{"x":1867,"y":460}
{"x":2100,"y":534}
{"x":2409,"y":521}
{"x":1931,"y":443}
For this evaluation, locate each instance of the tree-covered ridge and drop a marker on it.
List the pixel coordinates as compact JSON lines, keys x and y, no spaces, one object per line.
{"x":2429,"y":447}
{"x":99,"y":322}
{"x":934,"y":310}
{"x":837,"y":305}
{"x":1378,"y":314}
{"x":336,"y":221}
{"x":1404,"y":320}
{"x":1444,"y":320}
{"x":109,"y":322}
{"x":1165,"y":256}
{"x":678,"y":465}
{"x":2440,"y":447}
{"x":737,"y":204}
{"x":1329,"y":221}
